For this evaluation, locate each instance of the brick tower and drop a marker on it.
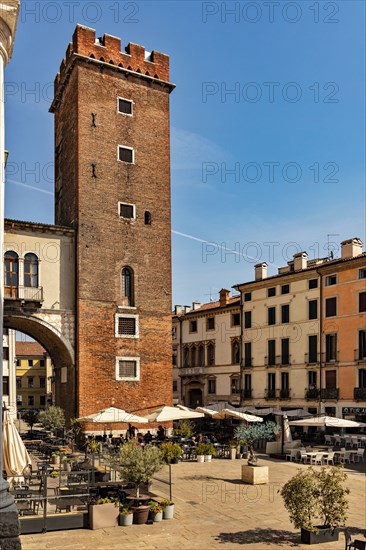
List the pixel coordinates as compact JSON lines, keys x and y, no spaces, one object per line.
{"x":112,"y":184}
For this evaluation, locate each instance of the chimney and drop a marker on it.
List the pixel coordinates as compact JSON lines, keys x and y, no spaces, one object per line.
{"x":178,"y":310}
{"x":300,"y":261}
{"x":187,"y":309}
{"x":351,"y":248}
{"x":196,"y":305}
{"x":260,"y":271}
{"x":224,"y":296}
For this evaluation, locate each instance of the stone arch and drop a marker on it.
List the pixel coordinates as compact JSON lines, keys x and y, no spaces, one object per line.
{"x":59,"y":349}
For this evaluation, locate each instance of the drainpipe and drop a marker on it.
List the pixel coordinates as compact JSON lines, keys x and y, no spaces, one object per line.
{"x":320,"y":340}
{"x":181,"y":356}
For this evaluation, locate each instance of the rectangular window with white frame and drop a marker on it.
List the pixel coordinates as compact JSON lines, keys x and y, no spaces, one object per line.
{"x":128,"y":369}
{"x":124,"y":106}
{"x":127,"y":211}
{"x":126,"y":154}
{"x":126,"y":326}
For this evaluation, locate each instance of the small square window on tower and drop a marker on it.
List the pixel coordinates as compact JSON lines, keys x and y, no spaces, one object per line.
{"x":128,"y":369}
{"x":125,"y":106}
{"x":126,"y":154}
{"x":126,"y":326}
{"x":126,"y":211}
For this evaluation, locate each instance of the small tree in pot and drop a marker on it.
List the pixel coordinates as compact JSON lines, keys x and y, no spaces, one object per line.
{"x":250,"y":434}
{"x":171,"y":452}
{"x":317,"y":504}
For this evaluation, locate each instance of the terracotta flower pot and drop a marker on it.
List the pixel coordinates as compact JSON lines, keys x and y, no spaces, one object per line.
{"x":140,"y":514}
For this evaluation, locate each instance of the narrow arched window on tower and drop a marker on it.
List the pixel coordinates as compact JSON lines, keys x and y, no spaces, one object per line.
{"x":31,"y":271}
{"x":147,"y":218}
{"x":127,"y":287}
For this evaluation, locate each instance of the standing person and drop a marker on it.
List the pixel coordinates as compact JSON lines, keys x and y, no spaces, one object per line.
{"x":161,"y":433}
{"x":131,"y":431}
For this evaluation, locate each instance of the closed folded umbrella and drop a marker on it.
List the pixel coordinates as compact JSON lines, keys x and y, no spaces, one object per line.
{"x":112,"y":414}
{"x":15,"y":455}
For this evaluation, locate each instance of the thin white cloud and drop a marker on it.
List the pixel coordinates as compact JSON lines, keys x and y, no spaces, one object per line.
{"x":189,"y":150}
{"x":30,"y":187}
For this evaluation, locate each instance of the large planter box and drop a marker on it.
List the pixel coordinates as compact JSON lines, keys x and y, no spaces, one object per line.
{"x":103,"y":515}
{"x":273,"y":447}
{"x":254,"y":475}
{"x":324,"y":535}
{"x":54,"y":522}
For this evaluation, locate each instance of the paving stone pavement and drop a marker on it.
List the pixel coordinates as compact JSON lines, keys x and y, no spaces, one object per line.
{"x":214,"y":509}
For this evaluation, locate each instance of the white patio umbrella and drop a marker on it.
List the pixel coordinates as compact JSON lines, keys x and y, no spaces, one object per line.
{"x":287,"y":436}
{"x":15,"y":455}
{"x":220,"y":406}
{"x":227,"y":413}
{"x":329,"y":421}
{"x":112,"y":414}
{"x":167,"y":414}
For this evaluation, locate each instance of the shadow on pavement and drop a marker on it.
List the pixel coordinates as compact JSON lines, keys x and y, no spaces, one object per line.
{"x":261,"y":536}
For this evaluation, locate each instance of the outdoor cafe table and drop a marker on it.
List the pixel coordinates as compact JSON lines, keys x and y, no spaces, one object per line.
{"x":313,"y":454}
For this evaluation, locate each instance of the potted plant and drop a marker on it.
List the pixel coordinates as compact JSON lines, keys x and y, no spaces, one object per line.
{"x":233,"y":449}
{"x":185,"y":428}
{"x":156,"y":511}
{"x":209,"y":451}
{"x":316,"y":502}
{"x":168,"y":508}
{"x":56,"y":458}
{"x":171,"y":452}
{"x":200,"y":452}
{"x":250,"y":434}
{"x":125,"y":515}
{"x":103,"y":512}
{"x":136,"y":465}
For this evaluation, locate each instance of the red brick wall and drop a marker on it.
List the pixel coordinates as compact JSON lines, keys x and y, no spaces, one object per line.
{"x":106,"y":243}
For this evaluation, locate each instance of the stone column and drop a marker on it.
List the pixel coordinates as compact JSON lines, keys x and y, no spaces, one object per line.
{"x":9,"y":522}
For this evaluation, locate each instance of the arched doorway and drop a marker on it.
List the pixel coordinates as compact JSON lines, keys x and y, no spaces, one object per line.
{"x":60,"y":351}
{"x":194,"y":397}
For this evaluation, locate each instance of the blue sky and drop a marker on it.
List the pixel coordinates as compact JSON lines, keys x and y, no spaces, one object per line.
{"x":267,"y":125}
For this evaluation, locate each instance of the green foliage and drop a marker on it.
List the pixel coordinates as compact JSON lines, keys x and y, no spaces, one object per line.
{"x":52,"y":418}
{"x":54,"y":474}
{"x":92,"y":445}
{"x":170,"y":451}
{"x":205,"y":449}
{"x":77,"y":429}
{"x":101,"y":500}
{"x":316,"y":497}
{"x":155,"y":507}
{"x":184,"y":428}
{"x":166,"y":502}
{"x":135,"y":464}
{"x":248,"y":435}
{"x":125,"y":510}
{"x":30,"y":417}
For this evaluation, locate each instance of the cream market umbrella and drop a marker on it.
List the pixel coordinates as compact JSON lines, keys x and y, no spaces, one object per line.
{"x":227,"y":413}
{"x":167,"y":414}
{"x":15,"y":455}
{"x":287,"y":436}
{"x":112,"y":414}
{"x":327,"y":421}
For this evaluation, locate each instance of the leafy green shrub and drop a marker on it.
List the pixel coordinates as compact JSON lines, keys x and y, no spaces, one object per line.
{"x":52,"y":419}
{"x":170,"y":451}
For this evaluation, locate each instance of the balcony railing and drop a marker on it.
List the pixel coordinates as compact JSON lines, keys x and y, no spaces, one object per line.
{"x":360,"y":355}
{"x":311,"y":393}
{"x":359,"y":394}
{"x":270,"y":394}
{"x":285,"y":393}
{"x":29,"y":294}
{"x":277,"y":360}
{"x":329,"y":393}
{"x":189,"y":371}
{"x":247,"y":393}
{"x":312,"y":358}
{"x":330,"y":357}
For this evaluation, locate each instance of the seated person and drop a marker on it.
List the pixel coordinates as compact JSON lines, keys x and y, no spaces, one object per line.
{"x":148,"y":437}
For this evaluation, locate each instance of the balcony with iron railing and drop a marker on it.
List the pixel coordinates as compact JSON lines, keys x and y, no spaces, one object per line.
{"x":330,"y":357}
{"x":329,"y":393}
{"x":359,"y":394}
{"x":247,"y":393}
{"x":312,"y":358}
{"x":24,"y":293}
{"x":311,"y":394}
{"x":277,"y":360}
{"x":360,"y":355}
{"x":191,"y":371}
{"x":270,"y":394}
{"x":285,"y":393}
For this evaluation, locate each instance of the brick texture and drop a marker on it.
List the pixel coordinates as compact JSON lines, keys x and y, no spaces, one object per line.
{"x":89,"y":183}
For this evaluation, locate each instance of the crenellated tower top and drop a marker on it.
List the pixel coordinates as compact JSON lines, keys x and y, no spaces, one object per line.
{"x":107,"y":51}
